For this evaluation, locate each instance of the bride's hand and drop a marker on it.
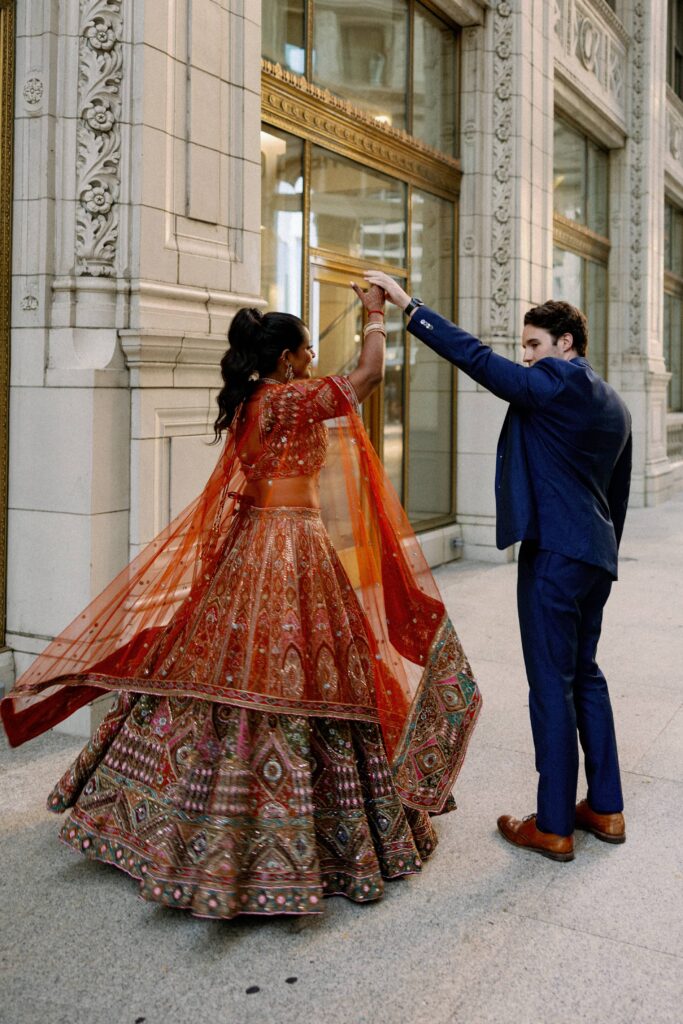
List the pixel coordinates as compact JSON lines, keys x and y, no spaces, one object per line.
{"x":393,"y":290}
{"x":373,"y":299}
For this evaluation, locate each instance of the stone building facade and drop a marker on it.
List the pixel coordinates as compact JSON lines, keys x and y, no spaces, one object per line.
{"x":165,"y":162}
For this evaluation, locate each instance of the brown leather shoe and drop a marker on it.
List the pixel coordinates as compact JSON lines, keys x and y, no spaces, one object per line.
{"x":525,"y":834}
{"x":611,"y":828}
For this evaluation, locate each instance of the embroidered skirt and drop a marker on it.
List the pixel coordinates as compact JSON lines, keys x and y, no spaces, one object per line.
{"x":213,"y":791}
{"x":222,"y":810}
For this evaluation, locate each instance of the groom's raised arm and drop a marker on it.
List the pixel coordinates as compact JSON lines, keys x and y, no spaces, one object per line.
{"x":529,"y":387}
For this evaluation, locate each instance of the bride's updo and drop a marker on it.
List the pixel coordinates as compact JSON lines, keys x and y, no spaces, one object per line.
{"x":257,"y":340}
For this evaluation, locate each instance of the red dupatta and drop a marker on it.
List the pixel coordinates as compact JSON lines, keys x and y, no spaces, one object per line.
{"x":426,"y":695}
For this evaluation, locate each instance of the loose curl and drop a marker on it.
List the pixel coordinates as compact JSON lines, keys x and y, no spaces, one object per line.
{"x":257,"y":340}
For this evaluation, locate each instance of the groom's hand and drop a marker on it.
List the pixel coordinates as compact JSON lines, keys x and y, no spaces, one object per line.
{"x":394,"y":292}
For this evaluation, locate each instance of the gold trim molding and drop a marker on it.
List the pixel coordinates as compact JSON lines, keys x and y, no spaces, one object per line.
{"x":290,"y":102}
{"x":7,"y":12}
{"x":567,"y":234}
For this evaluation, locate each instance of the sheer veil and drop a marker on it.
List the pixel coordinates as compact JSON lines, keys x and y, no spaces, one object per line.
{"x":427,"y":698}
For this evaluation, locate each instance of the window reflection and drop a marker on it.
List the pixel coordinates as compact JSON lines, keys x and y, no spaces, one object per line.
{"x":583,"y":283}
{"x":581,"y":179}
{"x":283,"y":34}
{"x":360,"y":52}
{"x":356,"y":211}
{"x":282,"y":219}
{"x":673,"y":349}
{"x":569,"y":172}
{"x":434,"y":82}
{"x":431,"y":387}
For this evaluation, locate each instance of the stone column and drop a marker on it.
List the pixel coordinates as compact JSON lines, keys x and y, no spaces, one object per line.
{"x":505,"y":225}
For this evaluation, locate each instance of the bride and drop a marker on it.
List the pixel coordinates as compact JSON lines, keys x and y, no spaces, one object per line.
{"x":292,"y":703}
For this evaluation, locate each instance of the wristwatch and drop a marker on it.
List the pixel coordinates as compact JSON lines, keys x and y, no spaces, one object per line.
{"x":412,"y":305}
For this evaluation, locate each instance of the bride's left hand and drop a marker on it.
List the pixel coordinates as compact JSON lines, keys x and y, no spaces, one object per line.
{"x":373,"y":299}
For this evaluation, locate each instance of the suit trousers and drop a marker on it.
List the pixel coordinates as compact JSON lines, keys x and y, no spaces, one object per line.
{"x":560,"y":603}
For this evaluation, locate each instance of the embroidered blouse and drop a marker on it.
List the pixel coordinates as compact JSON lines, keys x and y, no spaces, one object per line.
{"x":292,"y":437}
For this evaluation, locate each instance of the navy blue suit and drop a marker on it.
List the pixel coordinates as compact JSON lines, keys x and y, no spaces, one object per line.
{"x":563,"y":473}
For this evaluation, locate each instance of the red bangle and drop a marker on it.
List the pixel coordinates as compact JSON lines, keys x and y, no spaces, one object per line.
{"x":380,"y":311}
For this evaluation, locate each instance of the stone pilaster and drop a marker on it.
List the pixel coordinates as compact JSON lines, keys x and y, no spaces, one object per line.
{"x":642,"y":378}
{"x":505,"y":225}
{"x":69,"y":403}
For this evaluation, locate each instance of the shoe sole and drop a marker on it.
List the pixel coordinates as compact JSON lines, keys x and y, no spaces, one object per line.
{"x":563,"y":858}
{"x":604,"y":837}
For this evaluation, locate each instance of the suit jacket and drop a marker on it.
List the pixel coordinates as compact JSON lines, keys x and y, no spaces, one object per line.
{"x":563,"y":466}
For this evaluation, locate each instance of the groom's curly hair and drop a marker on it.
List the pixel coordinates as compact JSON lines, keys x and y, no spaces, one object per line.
{"x":558,"y":318}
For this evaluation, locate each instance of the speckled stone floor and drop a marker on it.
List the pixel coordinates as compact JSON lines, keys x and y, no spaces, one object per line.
{"x":486,"y":934}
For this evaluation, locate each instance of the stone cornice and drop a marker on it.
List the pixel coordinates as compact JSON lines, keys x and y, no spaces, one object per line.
{"x":614,"y":22}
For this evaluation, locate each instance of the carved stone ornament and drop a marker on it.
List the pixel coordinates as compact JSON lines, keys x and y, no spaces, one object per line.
{"x":502,"y":162}
{"x":592,"y":36}
{"x":29,"y":303}
{"x":33,"y":91}
{"x":99,"y":137}
{"x":637,"y":175}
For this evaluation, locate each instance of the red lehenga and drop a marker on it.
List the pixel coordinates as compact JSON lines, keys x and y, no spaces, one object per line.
{"x":292,"y":700}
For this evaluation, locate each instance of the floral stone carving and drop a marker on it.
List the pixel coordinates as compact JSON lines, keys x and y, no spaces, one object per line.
{"x":99,"y":137}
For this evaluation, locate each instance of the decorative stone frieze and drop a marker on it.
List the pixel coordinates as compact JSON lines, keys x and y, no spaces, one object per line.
{"x":501,"y":248}
{"x":637,"y":175}
{"x":100,"y":73}
{"x":592,"y":50}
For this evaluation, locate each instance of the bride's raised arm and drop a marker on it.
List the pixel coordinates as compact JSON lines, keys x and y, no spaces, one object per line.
{"x":369,"y":373}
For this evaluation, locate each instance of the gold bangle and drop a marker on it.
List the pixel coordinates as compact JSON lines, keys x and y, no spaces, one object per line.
{"x":374,"y":327}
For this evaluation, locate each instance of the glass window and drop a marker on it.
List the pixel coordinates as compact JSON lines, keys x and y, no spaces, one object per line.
{"x":673,"y":303}
{"x":434,"y":82}
{"x":360,"y":52}
{"x":581,"y":179}
{"x":328,"y":214}
{"x":595,"y":308}
{"x":583,"y":282}
{"x":394,"y":399}
{"x":673,"y":239}
{"x":282,"y":189}
{"x":568,"y":277}
{"x":673,"y":349}
{"x":430,"y":421}
{"x":569,"y":172}
{"x":284,"y":34}
{"x":356,"y":211}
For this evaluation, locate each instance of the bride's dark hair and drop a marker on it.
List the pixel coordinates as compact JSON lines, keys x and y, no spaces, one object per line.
{"x":257,"y":340}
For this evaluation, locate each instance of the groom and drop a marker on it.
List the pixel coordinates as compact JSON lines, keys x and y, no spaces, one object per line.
{"x":562,"y":481}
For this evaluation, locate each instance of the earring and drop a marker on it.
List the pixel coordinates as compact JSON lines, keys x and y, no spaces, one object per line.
{"x":289,"y":371}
